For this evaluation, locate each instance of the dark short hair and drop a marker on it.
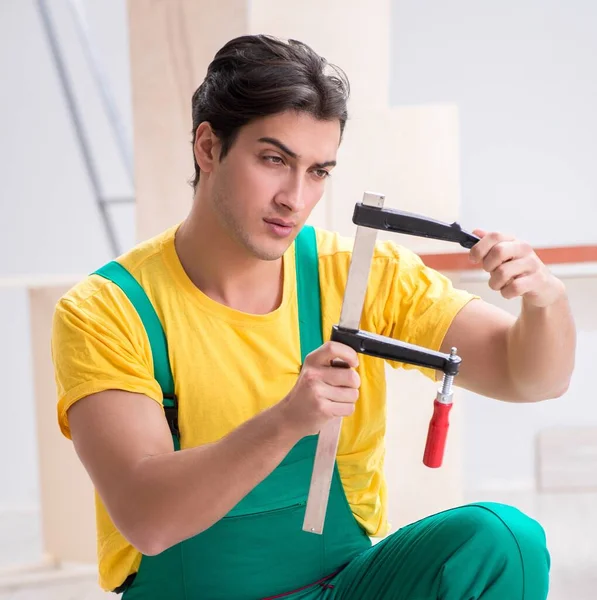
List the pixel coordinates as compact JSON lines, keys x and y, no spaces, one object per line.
{"x":255,"y":76}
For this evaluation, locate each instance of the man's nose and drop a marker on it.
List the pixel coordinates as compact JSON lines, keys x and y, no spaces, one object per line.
{"x":292,"y":195}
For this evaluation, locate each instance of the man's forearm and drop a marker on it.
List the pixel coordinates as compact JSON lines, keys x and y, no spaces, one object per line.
{"x":176,"y":495}
{"x":541,"y":350}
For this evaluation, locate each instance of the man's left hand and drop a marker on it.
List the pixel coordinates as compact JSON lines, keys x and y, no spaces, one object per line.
{"x":515,"y":269}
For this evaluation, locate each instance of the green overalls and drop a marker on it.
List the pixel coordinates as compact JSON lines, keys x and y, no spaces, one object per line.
{"x":484,"y":551}
{"x":259,"y":548}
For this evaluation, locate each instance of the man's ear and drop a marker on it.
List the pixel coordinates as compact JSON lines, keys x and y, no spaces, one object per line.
{"x":206,"y":147}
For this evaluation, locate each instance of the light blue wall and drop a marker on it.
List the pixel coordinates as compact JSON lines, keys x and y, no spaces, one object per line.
{"x":524,"y":77}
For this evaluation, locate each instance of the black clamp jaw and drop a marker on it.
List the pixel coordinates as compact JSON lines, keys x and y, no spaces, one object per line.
{"x":388,"y":348}
{"x":396,"y":221}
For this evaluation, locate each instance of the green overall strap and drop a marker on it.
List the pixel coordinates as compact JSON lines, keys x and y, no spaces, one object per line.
{"x":116,"y":273}
{"x":308,"y":291}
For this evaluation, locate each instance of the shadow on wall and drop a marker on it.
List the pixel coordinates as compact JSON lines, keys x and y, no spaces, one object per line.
{"x":583,"y":292}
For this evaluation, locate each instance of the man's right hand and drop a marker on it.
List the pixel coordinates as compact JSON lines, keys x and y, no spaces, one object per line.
{"x":323,"y":391}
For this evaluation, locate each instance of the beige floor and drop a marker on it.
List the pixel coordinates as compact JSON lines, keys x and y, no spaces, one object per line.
{"x":570,"y":522}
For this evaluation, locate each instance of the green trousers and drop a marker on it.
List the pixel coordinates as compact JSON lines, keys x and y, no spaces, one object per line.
{"x":479,"y":551}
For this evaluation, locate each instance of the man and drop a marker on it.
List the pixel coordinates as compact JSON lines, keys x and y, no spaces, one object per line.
{"x":199,"y":437}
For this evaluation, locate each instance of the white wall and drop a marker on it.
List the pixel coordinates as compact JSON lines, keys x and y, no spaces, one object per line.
{"x":18,"y":447}
{"x":49,"y":223}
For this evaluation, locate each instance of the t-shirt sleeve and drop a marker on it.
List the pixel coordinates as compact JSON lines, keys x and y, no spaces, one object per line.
{"x":418,"y":303}
{"x":99,"y":344}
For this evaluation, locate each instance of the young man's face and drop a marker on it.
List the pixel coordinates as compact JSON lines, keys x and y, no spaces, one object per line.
{"x":271,"y":179}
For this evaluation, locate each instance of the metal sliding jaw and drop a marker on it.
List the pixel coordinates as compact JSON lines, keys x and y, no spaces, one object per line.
{"x":370,"y":216}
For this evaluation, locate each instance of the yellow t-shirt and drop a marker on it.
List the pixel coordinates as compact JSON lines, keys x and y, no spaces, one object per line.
{"x":228,"y":365}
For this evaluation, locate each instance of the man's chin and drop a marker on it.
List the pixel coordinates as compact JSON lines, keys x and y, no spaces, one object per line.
{"x":271,"y":250}
{"x":270,"y":254}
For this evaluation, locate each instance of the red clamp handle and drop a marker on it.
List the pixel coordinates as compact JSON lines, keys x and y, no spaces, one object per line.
{"x":437,"y":434}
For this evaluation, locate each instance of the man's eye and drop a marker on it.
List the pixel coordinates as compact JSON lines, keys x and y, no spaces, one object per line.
{"x":322,"y":173}
{"x":274,"y":159}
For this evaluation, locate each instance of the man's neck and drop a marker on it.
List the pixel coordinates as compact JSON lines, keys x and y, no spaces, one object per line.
{"x":223,"y":270}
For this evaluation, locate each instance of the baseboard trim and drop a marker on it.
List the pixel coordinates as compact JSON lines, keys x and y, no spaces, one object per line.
{"x":46,"y":570}
{"x":44,"y":573}
{"x":504,"y":485}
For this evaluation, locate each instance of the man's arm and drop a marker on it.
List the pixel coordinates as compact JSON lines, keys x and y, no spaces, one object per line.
{"x":157,"y":497}
{"x":524,"y":359}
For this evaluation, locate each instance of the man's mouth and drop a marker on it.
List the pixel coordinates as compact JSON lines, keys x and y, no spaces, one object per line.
{"x":280,"y":222}
{"x":280,"y":227}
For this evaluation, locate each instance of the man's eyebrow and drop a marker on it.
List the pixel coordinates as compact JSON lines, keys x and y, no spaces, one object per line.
{"x":323,"y":165}
{"x":279,"y":144}
{"x":287,"y":150}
